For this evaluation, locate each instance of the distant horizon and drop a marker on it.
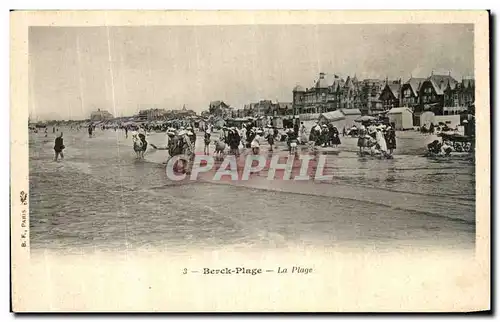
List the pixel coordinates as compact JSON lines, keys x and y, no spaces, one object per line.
{"x":76,"y":70}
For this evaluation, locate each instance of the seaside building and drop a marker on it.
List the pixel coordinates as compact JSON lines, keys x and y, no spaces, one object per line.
{"x":220,"y":109}
{"x":332,"y":92}
{"x":100,"y":115}
{"x":390,"y":94}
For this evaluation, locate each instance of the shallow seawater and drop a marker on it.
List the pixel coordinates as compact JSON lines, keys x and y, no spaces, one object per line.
{"x":101,"y":198}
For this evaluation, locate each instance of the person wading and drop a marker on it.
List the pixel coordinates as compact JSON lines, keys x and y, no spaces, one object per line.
{"x":390,"y":138}
{"x":59,"y":147}
{"x":142,"y":137}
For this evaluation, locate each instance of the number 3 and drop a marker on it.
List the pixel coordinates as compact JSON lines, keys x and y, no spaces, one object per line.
{"x":184,"y":271}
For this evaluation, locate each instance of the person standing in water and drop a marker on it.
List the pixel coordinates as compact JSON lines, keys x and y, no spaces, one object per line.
{"x":270,"y":137}
{"x":303,"y":133}
{"x":390,"y":138}
{"x":59,"y":147}
{"x":379,"y":137}
{"x":142,"y":137}
{"x":361,"y":139}
{"x":207,"y":141}
{"x":126,"y":132}
{"x":90,"y":130}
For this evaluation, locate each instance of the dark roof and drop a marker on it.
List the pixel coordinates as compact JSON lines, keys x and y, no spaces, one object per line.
{"x":338,"y":82}
{"x":348,"y":82}
{"x":217,"y":103}
{"x":415,"y":83}
{"x":394,"y":88}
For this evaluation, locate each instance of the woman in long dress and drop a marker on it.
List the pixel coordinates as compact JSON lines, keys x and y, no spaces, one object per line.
{"x":335,"y":136}
{"x":381,"y":141}
{"x":255,"y":145}
{"x":303,"y":134}
{"x":391,"y":139}
{"x":361,"y":138}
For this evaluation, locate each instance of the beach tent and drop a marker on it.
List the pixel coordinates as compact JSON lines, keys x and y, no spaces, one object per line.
{"x":330,"y":117}
{"x":350,"y":114}
{"x":401,"y":117}
{"x":426,"y":118}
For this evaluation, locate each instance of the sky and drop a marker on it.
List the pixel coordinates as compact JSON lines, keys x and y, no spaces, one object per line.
{"x":76,"y":70}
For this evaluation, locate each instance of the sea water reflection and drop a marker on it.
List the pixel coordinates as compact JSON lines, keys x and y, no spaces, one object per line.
{"x":100,"y":197}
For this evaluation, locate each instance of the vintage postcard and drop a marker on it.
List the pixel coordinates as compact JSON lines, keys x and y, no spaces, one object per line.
{"x":250,"y":161}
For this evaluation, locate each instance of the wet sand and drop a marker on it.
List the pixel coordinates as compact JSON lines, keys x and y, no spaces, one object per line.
{"x":101,"y":199}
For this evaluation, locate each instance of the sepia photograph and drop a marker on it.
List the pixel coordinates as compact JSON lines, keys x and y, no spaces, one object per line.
{"x":239,"y":140}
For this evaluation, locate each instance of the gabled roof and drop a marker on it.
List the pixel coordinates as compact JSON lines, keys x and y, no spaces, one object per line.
{"x":217,"y":103}
{"x":338,"y":83}
{"x":394,"y":88}
{"x":415,"y":84}
{"x":440,"y":82}
{"x":348,"y":82}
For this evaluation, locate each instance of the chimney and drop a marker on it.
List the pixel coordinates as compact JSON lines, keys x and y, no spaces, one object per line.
{"x":321,"y":75}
